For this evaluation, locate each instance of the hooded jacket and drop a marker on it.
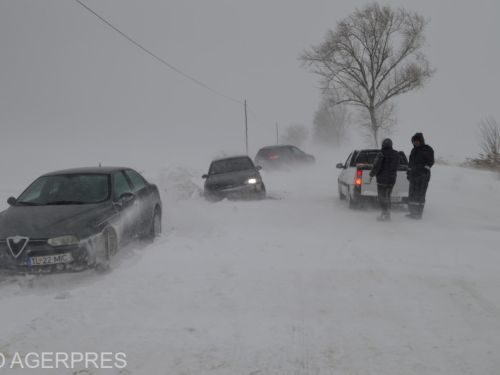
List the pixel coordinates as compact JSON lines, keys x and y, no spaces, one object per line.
{"x":421,"y":159}
{"x":386,"y":164}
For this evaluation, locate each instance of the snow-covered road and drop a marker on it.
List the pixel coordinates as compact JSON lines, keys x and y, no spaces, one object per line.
{"x":295,"y":284}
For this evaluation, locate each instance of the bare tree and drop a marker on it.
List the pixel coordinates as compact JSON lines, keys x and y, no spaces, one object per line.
{"x":330,"y":120}
{"x":386,"y":121}
{"x":372,"y":56}
{"x":489,"y":139}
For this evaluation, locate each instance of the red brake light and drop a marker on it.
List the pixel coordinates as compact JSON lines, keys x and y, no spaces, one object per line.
{"x":359,"y":177}
{"x":273,"y":157}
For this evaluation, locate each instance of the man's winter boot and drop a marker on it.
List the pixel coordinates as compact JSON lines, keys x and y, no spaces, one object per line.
{"x":413,"y":216}
{"x":419,"y":211}
{"x":413,"y":208}
{"x":384,"y":216}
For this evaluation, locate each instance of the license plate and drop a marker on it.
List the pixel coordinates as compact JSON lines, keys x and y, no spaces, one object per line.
{"x":49,"y":259}
{"x":396,"y":199}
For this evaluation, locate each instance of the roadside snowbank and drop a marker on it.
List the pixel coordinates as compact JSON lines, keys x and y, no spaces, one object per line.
{"x":295,"y":284}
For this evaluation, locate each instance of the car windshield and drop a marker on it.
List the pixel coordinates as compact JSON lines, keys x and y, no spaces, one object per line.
{"x":66,"y":189}
{"x":230,"y":165}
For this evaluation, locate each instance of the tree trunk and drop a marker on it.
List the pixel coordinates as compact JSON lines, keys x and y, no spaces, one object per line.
{"x":374,"y":127}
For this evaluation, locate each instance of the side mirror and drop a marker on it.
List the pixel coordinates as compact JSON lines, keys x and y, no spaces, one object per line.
{"x":11,"y":201}
{"x":127,"y":197}
{"x":340,"y":166}
{"x":117,"y":206}
{"x":125,"y":200}
{"x":258,"y":168}
{"x":204,"y":176}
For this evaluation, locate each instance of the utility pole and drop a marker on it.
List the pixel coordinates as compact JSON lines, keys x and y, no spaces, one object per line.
{"x":277,"y":134}
{"x":246,"y":127}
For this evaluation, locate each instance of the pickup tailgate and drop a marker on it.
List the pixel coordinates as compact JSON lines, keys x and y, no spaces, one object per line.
{"x":401,"y":186}
{"x":370,"y":188}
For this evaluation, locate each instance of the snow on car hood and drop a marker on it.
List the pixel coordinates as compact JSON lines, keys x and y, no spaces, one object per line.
{"x":50,"y":221}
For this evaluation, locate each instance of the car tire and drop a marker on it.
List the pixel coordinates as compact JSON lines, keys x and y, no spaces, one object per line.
{"x":352,"y":202}
{"x":212,"y":197}
{"x":342,"y":197}
{"x":108,"y":248}
{"x":262,"y":192}
{"x":155,"y":227}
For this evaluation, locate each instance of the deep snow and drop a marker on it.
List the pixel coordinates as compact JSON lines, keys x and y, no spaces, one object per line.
{"x":295,"y":284}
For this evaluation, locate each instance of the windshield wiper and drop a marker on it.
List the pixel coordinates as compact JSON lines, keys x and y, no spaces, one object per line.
{"x":27,"y":204}
{"x":63,"y":203}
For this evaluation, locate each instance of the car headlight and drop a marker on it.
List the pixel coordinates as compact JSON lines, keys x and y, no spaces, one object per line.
{"x":252,"y":181}
{"x":63,"y":241}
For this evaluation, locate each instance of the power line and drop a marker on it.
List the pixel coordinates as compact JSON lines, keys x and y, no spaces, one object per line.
{"x":168,"y":65}
{"x":158,"y":58}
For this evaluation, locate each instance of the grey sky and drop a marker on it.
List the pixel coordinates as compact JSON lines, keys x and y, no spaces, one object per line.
{"x":73,"y":91}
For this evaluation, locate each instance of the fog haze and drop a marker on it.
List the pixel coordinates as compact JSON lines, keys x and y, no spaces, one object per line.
{"x":310,"y":280}
{"x":73,"y":91}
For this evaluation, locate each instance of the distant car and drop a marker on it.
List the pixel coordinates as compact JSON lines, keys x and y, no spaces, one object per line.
{"x":282,"y":156}
{"x":354,"y":179}
{"x":234,"y":178}
{"x":77,"y":218}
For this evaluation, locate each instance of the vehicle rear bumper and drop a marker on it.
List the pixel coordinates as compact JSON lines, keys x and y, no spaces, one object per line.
{"x":395,"y":199}
{"x":374,"y":194}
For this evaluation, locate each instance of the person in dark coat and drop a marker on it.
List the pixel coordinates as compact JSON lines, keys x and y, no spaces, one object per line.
{"x":385,"y":169}
{"x":419,"y":175}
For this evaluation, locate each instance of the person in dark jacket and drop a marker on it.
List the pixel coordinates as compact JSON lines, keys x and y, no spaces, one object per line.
{"x":385,"y":168}
{"x":419,"y":175}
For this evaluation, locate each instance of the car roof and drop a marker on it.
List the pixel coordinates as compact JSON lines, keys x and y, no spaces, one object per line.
{"x":374,"y":150}
{"x":232,"y":157}
{"x":276,"y":146}
{"x":89,"y":170}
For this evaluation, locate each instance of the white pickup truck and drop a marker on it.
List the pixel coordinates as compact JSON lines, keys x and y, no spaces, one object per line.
{"x":354,"y":179}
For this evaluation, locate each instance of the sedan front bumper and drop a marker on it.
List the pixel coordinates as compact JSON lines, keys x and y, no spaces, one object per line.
{"x":40,"y":257}
{"x":236,"y":192}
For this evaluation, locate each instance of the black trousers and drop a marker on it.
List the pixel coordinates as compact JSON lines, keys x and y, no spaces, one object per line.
{"x":384,"y":197}
{"x":416,"y":195}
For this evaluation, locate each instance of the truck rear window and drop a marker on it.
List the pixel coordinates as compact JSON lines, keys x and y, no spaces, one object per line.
{"x":368,"y":157}
{"x":402,"y":158}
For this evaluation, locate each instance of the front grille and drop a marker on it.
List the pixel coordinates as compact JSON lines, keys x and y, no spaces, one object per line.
{"x":222,"y":187}
{"x":32,"y":244}
{"x":39,"y":247}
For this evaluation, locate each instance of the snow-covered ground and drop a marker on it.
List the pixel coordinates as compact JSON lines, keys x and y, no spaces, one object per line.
{"x":295,"y":284}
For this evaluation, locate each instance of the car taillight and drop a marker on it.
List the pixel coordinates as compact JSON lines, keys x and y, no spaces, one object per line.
{"x":273,"y":157}
{"x":359,"y":177}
